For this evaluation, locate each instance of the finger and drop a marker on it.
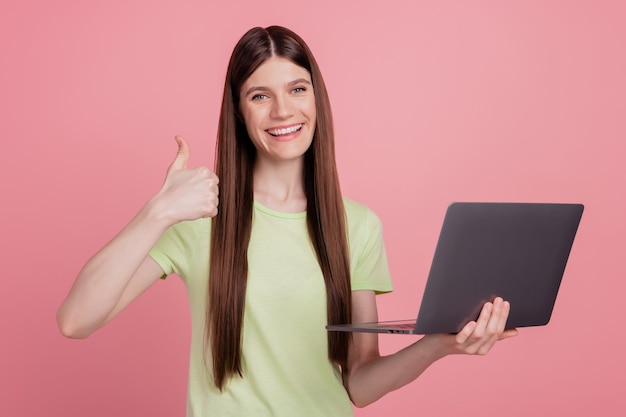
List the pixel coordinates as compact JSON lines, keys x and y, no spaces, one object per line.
{"x":486,"y":347}
{"x":212,"y":212}
{"x":496,"y":326}
{"x":504,"y":315}
{"x":182,"y":157}
{"x":508,"y":333}
{"x":483,"y":320}
{"x":465,"y":333}
{"x":482,"y":338}
{"x":497,"y":321}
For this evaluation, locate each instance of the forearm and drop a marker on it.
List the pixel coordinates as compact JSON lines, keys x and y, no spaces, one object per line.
{"x":102,"y":281}
{"x":378,"y":376}
{"x":373,"y":376}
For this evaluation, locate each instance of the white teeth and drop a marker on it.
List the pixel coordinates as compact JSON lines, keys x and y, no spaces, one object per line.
{"x":285,"y":131}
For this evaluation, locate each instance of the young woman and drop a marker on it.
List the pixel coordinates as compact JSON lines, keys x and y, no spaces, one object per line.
{"x":284,"y":256}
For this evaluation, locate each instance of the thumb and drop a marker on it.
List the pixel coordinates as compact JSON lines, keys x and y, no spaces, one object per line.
{"x":182,"y":157}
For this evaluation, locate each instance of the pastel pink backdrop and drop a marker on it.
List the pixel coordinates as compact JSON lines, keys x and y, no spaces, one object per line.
{"x":433,"y":101}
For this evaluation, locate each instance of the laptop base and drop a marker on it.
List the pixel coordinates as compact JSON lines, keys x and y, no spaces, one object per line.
{"x":392,"y":327}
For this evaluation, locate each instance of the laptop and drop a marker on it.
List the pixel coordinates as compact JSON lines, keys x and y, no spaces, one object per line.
{"x":517,"y":251}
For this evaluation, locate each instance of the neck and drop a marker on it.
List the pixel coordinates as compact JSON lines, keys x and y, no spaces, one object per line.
{"x":280,"y":185}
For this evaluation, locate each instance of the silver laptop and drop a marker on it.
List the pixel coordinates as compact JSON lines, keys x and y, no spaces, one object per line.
{"x":517,"y":251}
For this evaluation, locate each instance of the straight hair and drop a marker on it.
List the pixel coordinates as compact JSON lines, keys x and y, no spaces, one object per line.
{"x":231,"y":228}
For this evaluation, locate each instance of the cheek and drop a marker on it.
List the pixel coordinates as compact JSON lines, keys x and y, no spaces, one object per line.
{"x":254,"y":135}
{"x":313,"y":116}
{"x":310,"y":109}
{"x":250,"y":120}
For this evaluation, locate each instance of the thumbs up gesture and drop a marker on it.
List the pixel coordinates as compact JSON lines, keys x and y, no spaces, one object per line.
{"x":188,"y":194}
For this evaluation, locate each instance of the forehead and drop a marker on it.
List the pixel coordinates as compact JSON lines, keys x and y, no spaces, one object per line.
{"x":275,"y":73}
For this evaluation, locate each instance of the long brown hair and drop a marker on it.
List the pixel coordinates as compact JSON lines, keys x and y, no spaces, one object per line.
{"x":231,"y":228}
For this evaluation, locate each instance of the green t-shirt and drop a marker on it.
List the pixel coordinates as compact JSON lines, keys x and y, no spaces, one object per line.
{"x":286,"y":371}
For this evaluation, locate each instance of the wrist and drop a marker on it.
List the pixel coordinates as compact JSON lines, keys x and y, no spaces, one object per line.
{"x":439,"y":345}
{"x":157,"y":214}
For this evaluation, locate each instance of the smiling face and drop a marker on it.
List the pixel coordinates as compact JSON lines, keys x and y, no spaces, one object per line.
{"x":277,"y":103}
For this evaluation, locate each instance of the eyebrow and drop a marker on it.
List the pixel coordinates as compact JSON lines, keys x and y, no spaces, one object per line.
{"x":289,"y":84}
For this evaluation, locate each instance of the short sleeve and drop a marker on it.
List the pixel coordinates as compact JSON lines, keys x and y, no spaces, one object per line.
{"x":174,"y":250}
{"x":369,"y":266}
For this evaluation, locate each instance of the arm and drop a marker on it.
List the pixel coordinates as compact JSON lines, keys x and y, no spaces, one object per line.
{"x":122,"y":269}
{"x":370,"y":376}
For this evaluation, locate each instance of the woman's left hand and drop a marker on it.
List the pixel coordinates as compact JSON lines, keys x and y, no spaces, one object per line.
{"x":478,"y":337}
{"x":369,"y":376}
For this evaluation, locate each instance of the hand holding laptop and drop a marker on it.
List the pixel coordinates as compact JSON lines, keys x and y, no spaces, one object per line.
{"x":487,"y":253}
{"x":478,"y":337}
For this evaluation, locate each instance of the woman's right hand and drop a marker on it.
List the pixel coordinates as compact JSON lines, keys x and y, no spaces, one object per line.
{"x":187,"y":193}
{"x":122,"y":269}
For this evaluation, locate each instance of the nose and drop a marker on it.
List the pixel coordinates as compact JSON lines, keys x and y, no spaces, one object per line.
{"x":281,"y":107}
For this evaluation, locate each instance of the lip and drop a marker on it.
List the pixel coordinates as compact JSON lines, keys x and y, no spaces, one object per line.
{"x":288,"y":136}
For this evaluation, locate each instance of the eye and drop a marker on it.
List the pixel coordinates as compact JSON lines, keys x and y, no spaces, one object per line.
{"x":259,"y":97}
{"x":298,"y":90}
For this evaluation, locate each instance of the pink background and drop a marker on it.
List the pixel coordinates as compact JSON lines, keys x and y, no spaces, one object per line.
{"x":434,"y":102}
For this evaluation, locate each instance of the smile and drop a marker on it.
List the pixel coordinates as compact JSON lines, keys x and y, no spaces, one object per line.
{"x":285,"y":130}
